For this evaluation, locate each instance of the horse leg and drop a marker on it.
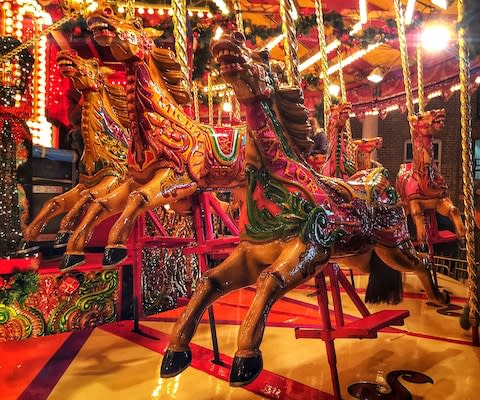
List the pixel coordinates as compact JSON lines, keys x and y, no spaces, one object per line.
{"x":72,"y":218}
{"x":295,"y":264}
{"x":241,"y":268}
{"x":404,"y":258}
{"x":448,"y":209}
{"x":165,"y":187}
{"x":53,"y":207}
{"x":416,"y":212}
{"x":98,"y":210}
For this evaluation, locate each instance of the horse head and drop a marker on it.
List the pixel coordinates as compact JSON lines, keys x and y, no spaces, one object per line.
{"x":85,"y":74}
{"x":128,"y":40}
{"x":247,"y":71}
{"x":339,"y":115}
{"x":429,"y":122}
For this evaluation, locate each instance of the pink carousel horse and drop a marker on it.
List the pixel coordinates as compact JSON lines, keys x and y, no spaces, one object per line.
{"x":420,"y":184}
{"x":298,"y":220}
{"x":171,"y":156}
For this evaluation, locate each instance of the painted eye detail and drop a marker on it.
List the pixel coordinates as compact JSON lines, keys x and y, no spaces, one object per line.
{"x":107,"y":11}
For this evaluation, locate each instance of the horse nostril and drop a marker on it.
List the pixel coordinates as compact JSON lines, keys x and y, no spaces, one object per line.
{"x":238,"y":37}
{"x":107,"y":11}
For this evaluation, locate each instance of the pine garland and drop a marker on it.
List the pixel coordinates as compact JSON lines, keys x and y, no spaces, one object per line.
{"x":17,"y":287}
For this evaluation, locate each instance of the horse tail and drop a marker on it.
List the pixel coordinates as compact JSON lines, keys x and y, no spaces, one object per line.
{"x":384,"y":283}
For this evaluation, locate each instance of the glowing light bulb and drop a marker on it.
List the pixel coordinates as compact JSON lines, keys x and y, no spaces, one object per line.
{"x":436,"y":37}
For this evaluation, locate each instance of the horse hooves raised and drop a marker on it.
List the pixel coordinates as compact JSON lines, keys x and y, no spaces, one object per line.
{"x":70,"y":261}
{"x":175,"y":362}
{"x":113,"y":256}
{"x":465,"y":318}
{"x":26,"y":248}
{"x":62,"y":239}
{"x":245,"y":370}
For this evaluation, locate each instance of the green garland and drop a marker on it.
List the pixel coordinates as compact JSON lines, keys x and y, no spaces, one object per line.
{"x":17,"y":287}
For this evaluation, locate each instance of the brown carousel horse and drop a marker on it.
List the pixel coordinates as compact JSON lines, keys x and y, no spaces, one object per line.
{"x":363,"y":149}
{"x":103,"y":165}
{"x":420,"y":184}
{"x":298,"y":220}
{"x":171,"y":156}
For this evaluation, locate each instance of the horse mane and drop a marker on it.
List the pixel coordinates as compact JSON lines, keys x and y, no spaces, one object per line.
{"x":295,"y":118}
{"x":171,"y":73}
{"x":116,"y":95}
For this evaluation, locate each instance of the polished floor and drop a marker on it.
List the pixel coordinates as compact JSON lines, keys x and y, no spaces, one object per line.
{"x":112,"y":362}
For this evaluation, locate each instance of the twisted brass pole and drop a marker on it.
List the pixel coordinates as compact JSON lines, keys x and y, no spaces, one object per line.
{"x":240,"y":28}
{"x":402,"y":40}
{"x":130,"y":9}
{"x":179,"y":17}
{"x":420,"y":88}
{"x":466,"y":130}
{"x":343,"y":92}
{"x":210,"y":99}
{"x":327,"y":103}
{"x":289,"y":43}
{"x":196,"y":107}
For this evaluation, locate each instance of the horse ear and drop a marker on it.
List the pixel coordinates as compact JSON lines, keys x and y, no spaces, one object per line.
{"x":106,"y":72}
{"x":414,"y":118}
{"x":153,"y":33}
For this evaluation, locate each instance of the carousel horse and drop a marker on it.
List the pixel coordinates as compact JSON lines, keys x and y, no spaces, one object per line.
{"x":298,"y":220}
{"x":171,"y":156}
{"x":420,"y":184}
{"x":363,"y":149}
{"x":103,"y":165}
{"x":338,"y":163}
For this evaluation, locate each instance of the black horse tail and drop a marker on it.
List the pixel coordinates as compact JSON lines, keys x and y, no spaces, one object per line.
{"x":384,"y":284}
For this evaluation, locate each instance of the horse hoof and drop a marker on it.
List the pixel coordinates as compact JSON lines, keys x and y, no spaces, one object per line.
{"x":62,"y":239}
{"x":423,"y":248}
{"x":462,"y":244}
{"x":445,"y":297}
{"x":465,"y":318}
{"x":245,"y":370}
{"x":113,"y":256}
{"x":26,"y":247}
{"x":175,"y":362}
{"x":70,"y":261}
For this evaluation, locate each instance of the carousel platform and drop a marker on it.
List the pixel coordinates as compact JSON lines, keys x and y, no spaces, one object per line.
{"x":112,"y":362}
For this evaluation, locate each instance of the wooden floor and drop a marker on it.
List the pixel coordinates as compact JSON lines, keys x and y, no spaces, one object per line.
{"x":111,"y":362}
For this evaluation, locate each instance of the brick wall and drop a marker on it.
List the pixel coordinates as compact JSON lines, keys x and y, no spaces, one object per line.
{"x":394,"y":130}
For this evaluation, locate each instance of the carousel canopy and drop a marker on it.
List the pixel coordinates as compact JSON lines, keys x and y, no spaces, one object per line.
{"x":361,"y":37}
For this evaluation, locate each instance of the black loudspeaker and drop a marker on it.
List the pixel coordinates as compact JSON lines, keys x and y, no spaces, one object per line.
{"x":53,"y":172}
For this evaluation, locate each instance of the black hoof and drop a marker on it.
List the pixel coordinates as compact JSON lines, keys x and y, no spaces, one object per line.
{"x":62,"y":239}
{"x":71,"y":260}
{"x":465,"y":318}
{"x":113,"y":256}
{"x":175,"y":362}
{"x":445,"y":297}
{"x":462,"y":244}
{"x":245,"y":370}
{"x":26,"y":247}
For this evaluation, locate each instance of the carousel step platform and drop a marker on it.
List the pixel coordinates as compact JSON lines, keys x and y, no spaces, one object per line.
{"x":363,"y":328}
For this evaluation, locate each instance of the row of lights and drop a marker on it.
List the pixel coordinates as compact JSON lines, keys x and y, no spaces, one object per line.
{"x":167,"y":11}
{"x":432,"y":95}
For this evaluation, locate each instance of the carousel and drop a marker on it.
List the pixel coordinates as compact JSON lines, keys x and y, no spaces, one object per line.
{"x":190,"y":189}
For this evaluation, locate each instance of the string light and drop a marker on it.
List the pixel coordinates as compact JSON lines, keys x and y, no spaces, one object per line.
{"x":222,"y":6}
